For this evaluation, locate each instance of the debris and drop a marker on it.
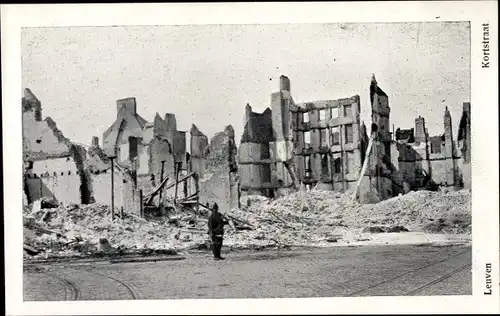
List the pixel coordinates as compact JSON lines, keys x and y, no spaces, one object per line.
{"x":30,"y":250}
{"x":397,"y":229}
{"x":49,"y":203}
{"x":37,"y":206}
{"x":374,"y":229}
{"x":304,"y":218}
{"x":332,"y":239}
{"x":105,"y":246}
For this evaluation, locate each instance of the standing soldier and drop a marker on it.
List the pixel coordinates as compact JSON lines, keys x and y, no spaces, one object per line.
{"x":216,"y":224}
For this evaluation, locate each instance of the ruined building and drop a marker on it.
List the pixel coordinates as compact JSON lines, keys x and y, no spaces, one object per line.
{"x":215,"y":163}
{"x":58,"y":169}
{"x":324,"y":144}
{"x":143,"y":152}
{"x":308,"y":144}
{"x":439,"y":159}
{"x":51,"y":162}
{"x":142,"y":146}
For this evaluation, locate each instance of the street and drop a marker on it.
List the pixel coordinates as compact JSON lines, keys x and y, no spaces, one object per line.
{"x":324,"y":272}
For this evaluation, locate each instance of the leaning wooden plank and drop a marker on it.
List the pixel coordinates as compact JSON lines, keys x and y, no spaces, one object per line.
{"x":171,"y":185}
{"x":191,"y":197}
{"x":30,"y":250}
{"x":151,"y":196}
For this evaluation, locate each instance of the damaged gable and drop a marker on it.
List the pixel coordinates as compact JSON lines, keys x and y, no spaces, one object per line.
{"x":41,"y":138}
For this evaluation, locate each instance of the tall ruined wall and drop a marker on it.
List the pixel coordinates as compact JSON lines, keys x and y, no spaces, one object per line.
{"x":220,"y":182}
{"x":254,"y":153}
{"x":379,"y":183}
{"x":199,"y":151}
{"x":464,"y":141}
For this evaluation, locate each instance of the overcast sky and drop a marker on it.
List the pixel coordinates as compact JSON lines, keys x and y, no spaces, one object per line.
{"x":206,"y":74}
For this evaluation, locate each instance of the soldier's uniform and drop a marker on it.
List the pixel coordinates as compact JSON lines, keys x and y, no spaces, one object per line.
{"x":216,"y":224}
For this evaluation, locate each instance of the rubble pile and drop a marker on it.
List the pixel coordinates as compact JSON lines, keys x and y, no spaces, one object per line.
{"x":313,"y":217}
{"x":419,"y":211}
{"x":304,"y":218}
{"x":80,"y":230}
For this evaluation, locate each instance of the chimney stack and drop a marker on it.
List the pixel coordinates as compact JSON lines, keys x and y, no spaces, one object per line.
{"x":284,"y":83}
{"x":95,"y":141}
{"x":129,"y":104}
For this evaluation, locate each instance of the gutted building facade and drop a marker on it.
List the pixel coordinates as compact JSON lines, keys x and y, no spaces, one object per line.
{"x":324,"y":144}
{"x":308,"y":144}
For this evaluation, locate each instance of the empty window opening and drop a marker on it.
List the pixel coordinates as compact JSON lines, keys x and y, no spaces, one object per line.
{"x":323,"y":137}
{"x":62,"y":173}
{"x":38,"y":141}
{"x":296,"y":139}
{"x":322,"y":115}
{"x":307,"y":139}
{"x":348,"y":157}
{"x":347,"y":110}
{"x":348,"y":134}
{"x":307,"y":164}
{"x":335,"y":136}
{"x":306,"y":117}
{"x":324,"y":166}
{"x":334,"y":113}
{"x":435,"y":148}
{"x":264,"y":151}
{"x":55,"y":174}
{"x":266,"y":173}
{"x":69,"y":173}
{"x":337,"y":165}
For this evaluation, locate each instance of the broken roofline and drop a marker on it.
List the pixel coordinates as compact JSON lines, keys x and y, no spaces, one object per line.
{"x":461,"y":125}
{"x":324,"y":104}
{"x":40,"y":155}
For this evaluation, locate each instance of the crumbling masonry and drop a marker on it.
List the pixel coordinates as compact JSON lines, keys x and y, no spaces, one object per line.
{"x":323,"y":144}
{"x":144,"y":154}
{"x":290,"y":146}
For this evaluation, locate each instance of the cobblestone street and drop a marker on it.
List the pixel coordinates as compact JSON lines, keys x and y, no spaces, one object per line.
{"x":329,"y":272}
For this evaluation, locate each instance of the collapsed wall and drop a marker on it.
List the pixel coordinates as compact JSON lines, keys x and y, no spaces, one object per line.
{"x":219,"y":181}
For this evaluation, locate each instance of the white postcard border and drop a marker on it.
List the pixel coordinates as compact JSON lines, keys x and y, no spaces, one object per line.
{"x":484,"y":125}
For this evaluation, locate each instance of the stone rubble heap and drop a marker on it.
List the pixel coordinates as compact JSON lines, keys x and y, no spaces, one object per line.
{"x":314,"y":218}
{"x":304,"y":218}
